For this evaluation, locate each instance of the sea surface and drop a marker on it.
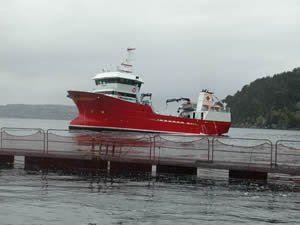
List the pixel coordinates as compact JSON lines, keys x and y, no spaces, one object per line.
{"x":30,"y":197}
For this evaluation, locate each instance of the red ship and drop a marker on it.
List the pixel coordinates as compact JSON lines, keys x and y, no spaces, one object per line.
{"x":116,"y":104}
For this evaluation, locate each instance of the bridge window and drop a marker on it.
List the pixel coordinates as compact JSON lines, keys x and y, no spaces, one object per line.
{"x":118,"y":80}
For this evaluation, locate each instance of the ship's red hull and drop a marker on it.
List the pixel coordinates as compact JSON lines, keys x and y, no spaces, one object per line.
{"x":98,"y":111}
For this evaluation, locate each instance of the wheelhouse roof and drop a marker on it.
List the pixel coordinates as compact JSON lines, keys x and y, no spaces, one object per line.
{"x":117,"y":74}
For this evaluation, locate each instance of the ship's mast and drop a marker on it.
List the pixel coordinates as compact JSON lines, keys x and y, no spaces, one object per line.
{"x":126,"y":66}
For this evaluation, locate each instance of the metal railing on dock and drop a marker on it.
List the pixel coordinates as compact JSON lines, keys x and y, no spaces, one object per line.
{"x":22,"y":140}
{"x":154,"y":149}
{"x":245,"y":150}
{"x":287,"y":153}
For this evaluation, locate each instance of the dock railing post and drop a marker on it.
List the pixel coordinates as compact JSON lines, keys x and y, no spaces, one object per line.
{"x":271,"y":157}
{"x":113,"y":149}
{"x":213,"y":149}
{"x":154,"y":148}
{"x":276,"y":151}
{"x":271,"y":160}
{"x":1,"y":133}
{"x":150,"y":156}
{"x":154,"y":155}
{"x":155,"y":144}
{"x":47,"y":141}
{"x":208,"y":149}
{"x":44,"y":140}
{"x":93,"y":144}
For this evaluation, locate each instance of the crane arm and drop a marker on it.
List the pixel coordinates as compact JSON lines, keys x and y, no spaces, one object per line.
{"x":177,"y":100}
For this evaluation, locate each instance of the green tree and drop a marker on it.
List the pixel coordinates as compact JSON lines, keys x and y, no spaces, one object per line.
{"x":260,"y":121}
{"x":297,"y":106}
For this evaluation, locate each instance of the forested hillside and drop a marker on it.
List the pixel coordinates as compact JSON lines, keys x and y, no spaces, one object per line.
{"x":269,"y":102}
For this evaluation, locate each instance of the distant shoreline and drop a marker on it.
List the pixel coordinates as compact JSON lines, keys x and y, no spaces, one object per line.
{"x":32,"y":118}
{"x":49,"y":112}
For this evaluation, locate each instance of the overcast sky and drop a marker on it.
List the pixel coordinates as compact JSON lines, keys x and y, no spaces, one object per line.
{"x":50,"y":46}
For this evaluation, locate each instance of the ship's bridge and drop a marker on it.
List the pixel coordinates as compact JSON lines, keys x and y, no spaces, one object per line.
{"x":118,"y":84}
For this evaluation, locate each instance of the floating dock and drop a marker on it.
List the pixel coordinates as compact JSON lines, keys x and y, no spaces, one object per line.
{"x":119,"y":152}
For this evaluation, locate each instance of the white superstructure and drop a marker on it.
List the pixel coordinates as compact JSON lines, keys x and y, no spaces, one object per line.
{"x":205,"y":108}
{"x":121,"y":83}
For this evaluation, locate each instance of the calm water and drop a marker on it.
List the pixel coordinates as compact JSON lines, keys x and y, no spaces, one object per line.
{"x":37,"y":198}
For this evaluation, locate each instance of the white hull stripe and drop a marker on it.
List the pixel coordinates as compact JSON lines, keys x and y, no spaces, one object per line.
{"x":130,"y":129}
